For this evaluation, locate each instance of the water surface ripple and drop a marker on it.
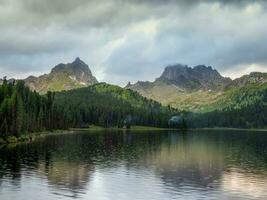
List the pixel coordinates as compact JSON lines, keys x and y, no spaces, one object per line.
{"x":137,"y":166}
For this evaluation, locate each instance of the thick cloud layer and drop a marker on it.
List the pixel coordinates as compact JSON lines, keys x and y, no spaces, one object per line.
{"x":130,"y":40}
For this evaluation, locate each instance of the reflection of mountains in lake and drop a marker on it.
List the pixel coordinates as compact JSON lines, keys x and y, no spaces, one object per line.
{"x":201,"y":160}
{"x":209,"y":161}
{"x":186,"y":160}
{"x":63,"y":175}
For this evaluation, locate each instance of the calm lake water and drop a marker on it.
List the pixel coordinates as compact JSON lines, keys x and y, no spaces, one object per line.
{"x":137,"y":165}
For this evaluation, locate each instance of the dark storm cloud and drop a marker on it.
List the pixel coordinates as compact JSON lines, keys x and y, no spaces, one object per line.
{"x":132,"y":39}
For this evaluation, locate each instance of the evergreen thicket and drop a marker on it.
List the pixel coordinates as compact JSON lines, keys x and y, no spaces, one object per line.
{"x":108,"y":105}
{"x":23,"y":111}
{"x":244,"y":107}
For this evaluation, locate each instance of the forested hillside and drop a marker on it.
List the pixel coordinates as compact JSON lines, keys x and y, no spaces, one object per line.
{"x":22,"y":110}
{"x":108,"y":105}
{"x":241,"y":107}
{"x":241,"y":97}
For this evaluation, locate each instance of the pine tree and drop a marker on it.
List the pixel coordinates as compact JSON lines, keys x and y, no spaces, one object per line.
{"x":17,"y":113}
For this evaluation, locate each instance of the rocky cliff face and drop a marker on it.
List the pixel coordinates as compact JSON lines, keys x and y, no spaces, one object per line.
{"x":198,"y":77}
{"x":77,"y":71}
{"x":63,"y":77}
{"x":194,"y":88}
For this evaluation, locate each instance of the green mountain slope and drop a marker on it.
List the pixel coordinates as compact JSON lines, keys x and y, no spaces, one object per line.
{"x":240,"y":97}
{"x":244,"y":107}
{"x":170,"y":94}
{"x":201,"y":89}
{"x":185,"y":88}
{"x":109,"y":105}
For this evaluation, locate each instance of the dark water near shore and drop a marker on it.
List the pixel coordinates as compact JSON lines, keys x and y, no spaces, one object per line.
{"x":142,"y":165}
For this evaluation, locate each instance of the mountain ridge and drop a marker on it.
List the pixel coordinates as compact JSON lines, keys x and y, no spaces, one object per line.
{"x":63,"y":77}
{"x":193,"y":88}
{"x":198,"y":89}
{"x":192,"y":78}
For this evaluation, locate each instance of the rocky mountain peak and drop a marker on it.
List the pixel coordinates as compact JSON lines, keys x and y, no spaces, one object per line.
{"x":198,"y":77}
{"x":63,"y":77}
{"x":174,"y":71}
{"x":78,"y":60}
{"x":78,"y":63}
{"x":77,"y":70}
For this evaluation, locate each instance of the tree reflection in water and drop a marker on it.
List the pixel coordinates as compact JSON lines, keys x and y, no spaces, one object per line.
{"x":222,"y":164}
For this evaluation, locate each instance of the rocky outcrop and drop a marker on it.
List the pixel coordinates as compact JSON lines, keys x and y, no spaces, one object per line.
{"x":198,"y":77}
{"x":63,"y":77}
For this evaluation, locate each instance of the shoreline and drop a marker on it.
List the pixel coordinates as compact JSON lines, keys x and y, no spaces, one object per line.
{"x":151,"y":128}
{"x":36,"y":135}
{"x":233,"y":129}
{"x":30,"y":137}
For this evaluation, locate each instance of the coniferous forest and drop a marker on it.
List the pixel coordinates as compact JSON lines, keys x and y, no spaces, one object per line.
{"x":244,"y":107}
{"x":108,"y":105}
{"x":24,"y":111}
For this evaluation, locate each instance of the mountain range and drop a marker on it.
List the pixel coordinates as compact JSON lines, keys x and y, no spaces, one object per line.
{"x":198,"y":89}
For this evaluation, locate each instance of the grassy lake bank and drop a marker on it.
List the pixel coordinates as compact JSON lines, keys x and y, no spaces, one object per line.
{"x":29,"y":137}
{"x":150,"y":128}
{"x":35,"y":135}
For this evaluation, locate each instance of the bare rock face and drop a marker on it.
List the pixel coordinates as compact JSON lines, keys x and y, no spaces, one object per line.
{"x":77,"y":70}
{"x":198,"y":77}
{"x":63,"y":77}
{"x":193,"y":88}
{"x":183,"y":87}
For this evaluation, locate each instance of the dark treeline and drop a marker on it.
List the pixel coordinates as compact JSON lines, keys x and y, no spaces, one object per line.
{"x":23,"y":111}
{"x":247,"y":109}
{"x":108,"y":105}
{"x":249,"y":116}
{"x":253,"y":116}
{"x":244,"y":107}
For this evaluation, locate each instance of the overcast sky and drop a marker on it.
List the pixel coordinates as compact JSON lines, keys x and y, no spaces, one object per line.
{"x":130,"y":40}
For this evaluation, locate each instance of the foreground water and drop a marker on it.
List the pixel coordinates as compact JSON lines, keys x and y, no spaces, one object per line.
{"x":141,"y":165}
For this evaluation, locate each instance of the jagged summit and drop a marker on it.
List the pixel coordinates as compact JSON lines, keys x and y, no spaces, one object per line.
{"x":194,"y":78}
{"x":63,"y":77}
{"x":184,"y":87}
{"x":77,"y":60}
{"x":77,"y":64}
{"x":77,"y":70}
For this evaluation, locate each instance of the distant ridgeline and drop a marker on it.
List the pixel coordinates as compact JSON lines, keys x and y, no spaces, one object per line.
{"x":62,"y":77}
{"x":182,"y":97}
{"x":243,"y":105}
{"x":197,"y":89}
{"x":22,"y":110}
{"x":206,"y":99}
